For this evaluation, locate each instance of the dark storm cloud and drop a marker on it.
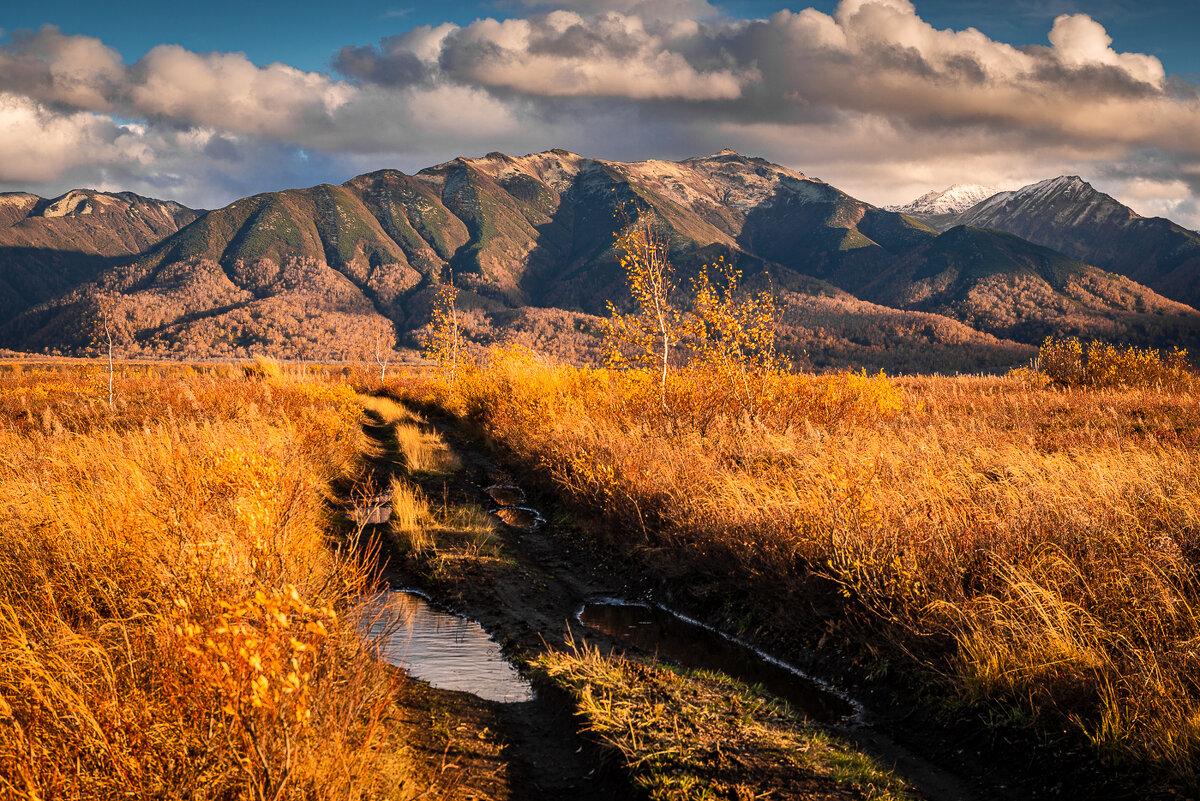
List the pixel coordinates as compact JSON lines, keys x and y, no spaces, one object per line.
{"x":388,"y":64}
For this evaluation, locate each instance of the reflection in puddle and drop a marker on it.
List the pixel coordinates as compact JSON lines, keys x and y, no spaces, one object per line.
{"x":519,"y":517}
{"x":446,"y":650}
{"x":692,"y":645}
{"x":506,"y":494}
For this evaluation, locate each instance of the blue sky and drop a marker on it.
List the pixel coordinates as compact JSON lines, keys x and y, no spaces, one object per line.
{"x":306,"y":34}
{"x":884,"y":98}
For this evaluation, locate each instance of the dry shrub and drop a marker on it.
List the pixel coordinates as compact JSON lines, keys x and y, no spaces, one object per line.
{"x":1068,"y":362}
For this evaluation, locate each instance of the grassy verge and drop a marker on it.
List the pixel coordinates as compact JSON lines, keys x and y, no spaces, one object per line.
{"x":171,"y":613}
{"x":697,"y":735}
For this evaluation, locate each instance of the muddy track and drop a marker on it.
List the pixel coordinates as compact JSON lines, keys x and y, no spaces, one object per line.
{"x":544,"y":756}
{"x":529,"y":602}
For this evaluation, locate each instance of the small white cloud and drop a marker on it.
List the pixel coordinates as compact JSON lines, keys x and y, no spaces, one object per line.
{"x":1080,"y":41}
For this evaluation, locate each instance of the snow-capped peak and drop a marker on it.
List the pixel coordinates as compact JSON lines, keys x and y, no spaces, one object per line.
{"x":1064,"y":197}
{"x":948,"y":201}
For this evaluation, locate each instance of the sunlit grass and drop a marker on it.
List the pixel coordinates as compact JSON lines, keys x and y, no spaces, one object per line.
{"x":170,"y":611}
{"x":696,"y":735}
{"x":1048,"y":536}
{"x":434,"y":528}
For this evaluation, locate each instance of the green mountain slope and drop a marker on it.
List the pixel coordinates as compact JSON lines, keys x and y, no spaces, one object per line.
{"x":324,"y":272}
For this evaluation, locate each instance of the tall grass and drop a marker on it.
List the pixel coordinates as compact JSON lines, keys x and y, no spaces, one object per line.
{"x":170,"y":607}
{"x":1050,"y":537}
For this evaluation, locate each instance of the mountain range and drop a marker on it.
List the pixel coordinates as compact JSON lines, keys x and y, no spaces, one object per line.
{"x":946,"y":285}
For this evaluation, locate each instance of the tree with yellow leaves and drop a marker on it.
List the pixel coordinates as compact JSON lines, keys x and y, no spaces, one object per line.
{"x":734,"y":336}
{"x":645,"y":337}
{"x":443,"y":343}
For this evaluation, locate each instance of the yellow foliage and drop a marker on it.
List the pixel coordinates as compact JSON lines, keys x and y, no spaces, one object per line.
{"x":1068,"y":362}
{"x":734,"y":339}
{"x":160,"y":569}
{"x":645,"y":338}
{"x":443,"y":344}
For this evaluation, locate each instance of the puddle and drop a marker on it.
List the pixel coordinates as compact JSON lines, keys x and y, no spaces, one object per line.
{"x":505,"y":494}
{"x":448,"y":651}
{"x":371,"y":511}
{"x":521,"y":517}
{"x":696,"y":646}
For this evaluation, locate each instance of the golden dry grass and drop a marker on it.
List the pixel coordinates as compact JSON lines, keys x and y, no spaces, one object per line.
{"x":171,"y":616}
{"x":441,"y":530}
{"x":1050,"y":535}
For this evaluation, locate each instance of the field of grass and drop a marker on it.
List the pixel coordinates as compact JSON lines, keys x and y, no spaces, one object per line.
{"x":174,"y":581}
{"x":171,"y":597}
{"x":1031,"y":548}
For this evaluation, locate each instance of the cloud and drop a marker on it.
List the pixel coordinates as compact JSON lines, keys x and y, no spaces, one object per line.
{"x":871,"y":97}
{"x":566,"y":55}
{"x":50,"y":67}
{"x":652,"y":10}
{"x":37,"y":143}
{"x":228,"y":91}
{"x":1080,"y":41}
{"x":398,"y":61}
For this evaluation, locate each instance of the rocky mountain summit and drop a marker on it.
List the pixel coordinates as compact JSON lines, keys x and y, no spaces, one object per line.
{"x":1071,"y":216}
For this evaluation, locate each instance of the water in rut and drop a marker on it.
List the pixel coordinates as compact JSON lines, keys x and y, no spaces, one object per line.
{"x":448,"y":651}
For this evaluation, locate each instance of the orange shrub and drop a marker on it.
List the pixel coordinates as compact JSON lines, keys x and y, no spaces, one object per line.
{"x":1068,"y":362}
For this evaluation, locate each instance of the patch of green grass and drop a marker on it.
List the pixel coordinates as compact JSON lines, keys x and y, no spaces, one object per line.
{"x":692,"y":735}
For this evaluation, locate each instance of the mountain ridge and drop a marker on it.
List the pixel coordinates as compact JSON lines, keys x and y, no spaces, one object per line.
{"x":1068,"y":214}
{"x":319,"y":271}
{"x":48,"y":246}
